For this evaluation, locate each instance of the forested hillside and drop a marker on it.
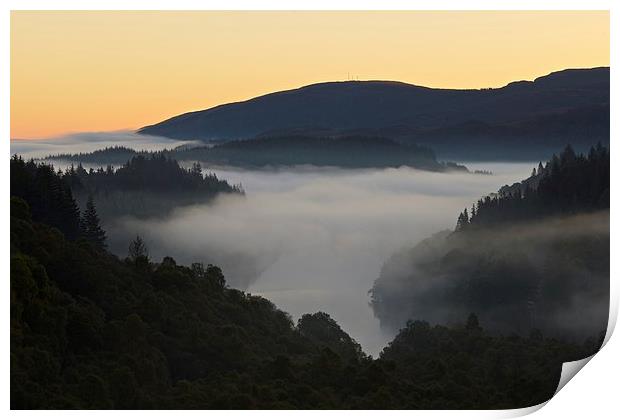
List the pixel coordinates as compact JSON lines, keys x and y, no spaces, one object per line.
{"x":146,"y":185}
{"x":93,"y":330}
{"x":48,"y":195}
{"x":283,"y":151}
{"x":115,"y":155}
{"x":567,"y":184}
{"x":347,"y":152}
{"x":536,"y":255}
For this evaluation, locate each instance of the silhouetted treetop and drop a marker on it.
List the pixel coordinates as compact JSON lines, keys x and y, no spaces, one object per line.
{"x":91,"y":225}
{"x":138,"y":249}
{"x":48,"y":195}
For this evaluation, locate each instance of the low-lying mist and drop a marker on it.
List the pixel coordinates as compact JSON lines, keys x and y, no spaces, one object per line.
{"x":89,"y":142}
{"x":314,"y":239}
{"x":550,"y":275}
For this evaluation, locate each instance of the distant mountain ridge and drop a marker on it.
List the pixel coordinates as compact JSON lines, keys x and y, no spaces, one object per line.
{"x":406,"y":112}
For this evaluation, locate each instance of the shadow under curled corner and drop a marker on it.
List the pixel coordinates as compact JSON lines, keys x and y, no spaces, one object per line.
{"x":570,"y":369}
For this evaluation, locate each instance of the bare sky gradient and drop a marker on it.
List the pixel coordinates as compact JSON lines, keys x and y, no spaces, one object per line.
{"x":100,"y":71}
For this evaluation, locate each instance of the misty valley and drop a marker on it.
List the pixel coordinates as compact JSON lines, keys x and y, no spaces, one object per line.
{"x":304,"y":286}
{"x":343,"y":245}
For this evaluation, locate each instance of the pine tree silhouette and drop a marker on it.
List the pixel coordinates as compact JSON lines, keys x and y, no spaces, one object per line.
{"x":463,"y":221}
{"x":138,"y":249}
{"x":91,"y":228}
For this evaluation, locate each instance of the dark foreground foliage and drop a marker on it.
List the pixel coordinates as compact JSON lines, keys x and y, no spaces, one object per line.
{"x":90,"y":330}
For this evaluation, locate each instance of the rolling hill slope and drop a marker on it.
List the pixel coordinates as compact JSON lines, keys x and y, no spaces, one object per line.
{"x":412,"y":113}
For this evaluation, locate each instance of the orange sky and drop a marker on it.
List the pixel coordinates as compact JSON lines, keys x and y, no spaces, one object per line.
{"x":98,"y":71}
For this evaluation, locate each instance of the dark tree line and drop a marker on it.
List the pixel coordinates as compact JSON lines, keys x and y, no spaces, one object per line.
{"x":353,"y":151}
{"x":145,"y":186}
{"x":156,"y":173}
{"x":349,"y":151}
{"x":567,"y":184}
{"x":51,"y":201}
{"x":116,"y":155}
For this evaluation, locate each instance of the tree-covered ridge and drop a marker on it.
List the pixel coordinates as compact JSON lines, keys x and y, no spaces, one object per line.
{"x":156,"y":173}
{"x":351,"y":151}
{"x":115,"y":155}
{"x":90,"y":330}
{"x":51,"y":200}
{"x":347,"y":151}
{"x":567,"y":184}
{"x":145,"y":186}
{"x":466,"y":367}
{"x":536,"y":255}
{"x":551,"y":275}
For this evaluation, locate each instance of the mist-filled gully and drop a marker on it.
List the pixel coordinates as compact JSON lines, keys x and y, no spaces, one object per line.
{"x":315,"y":239}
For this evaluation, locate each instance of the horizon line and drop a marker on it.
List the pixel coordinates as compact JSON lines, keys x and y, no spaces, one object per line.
{"x":136,"y":129}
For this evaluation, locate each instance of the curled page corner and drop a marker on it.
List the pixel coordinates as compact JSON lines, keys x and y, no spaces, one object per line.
{"x":521,"y":412}
{"x":569,"y":370}
{"x":613,"y":317}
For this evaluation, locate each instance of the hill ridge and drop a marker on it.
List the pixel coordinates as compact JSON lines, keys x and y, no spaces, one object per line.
{"x":379,"y":106}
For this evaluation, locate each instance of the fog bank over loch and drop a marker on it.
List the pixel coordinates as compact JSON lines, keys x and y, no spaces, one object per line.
{"x":313,"y":239}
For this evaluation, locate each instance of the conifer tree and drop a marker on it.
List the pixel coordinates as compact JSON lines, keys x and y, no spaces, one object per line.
{"x":462,"y":221}
{"x":196,"y":170}
{"x":91,"y":227}
{"x":138,"y":249}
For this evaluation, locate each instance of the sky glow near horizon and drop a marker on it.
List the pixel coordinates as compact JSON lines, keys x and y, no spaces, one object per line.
{"x":89,"y":71}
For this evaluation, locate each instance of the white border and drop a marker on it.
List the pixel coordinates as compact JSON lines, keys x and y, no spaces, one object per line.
{"x":593,"y":393}
{"x":309,"y":5}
